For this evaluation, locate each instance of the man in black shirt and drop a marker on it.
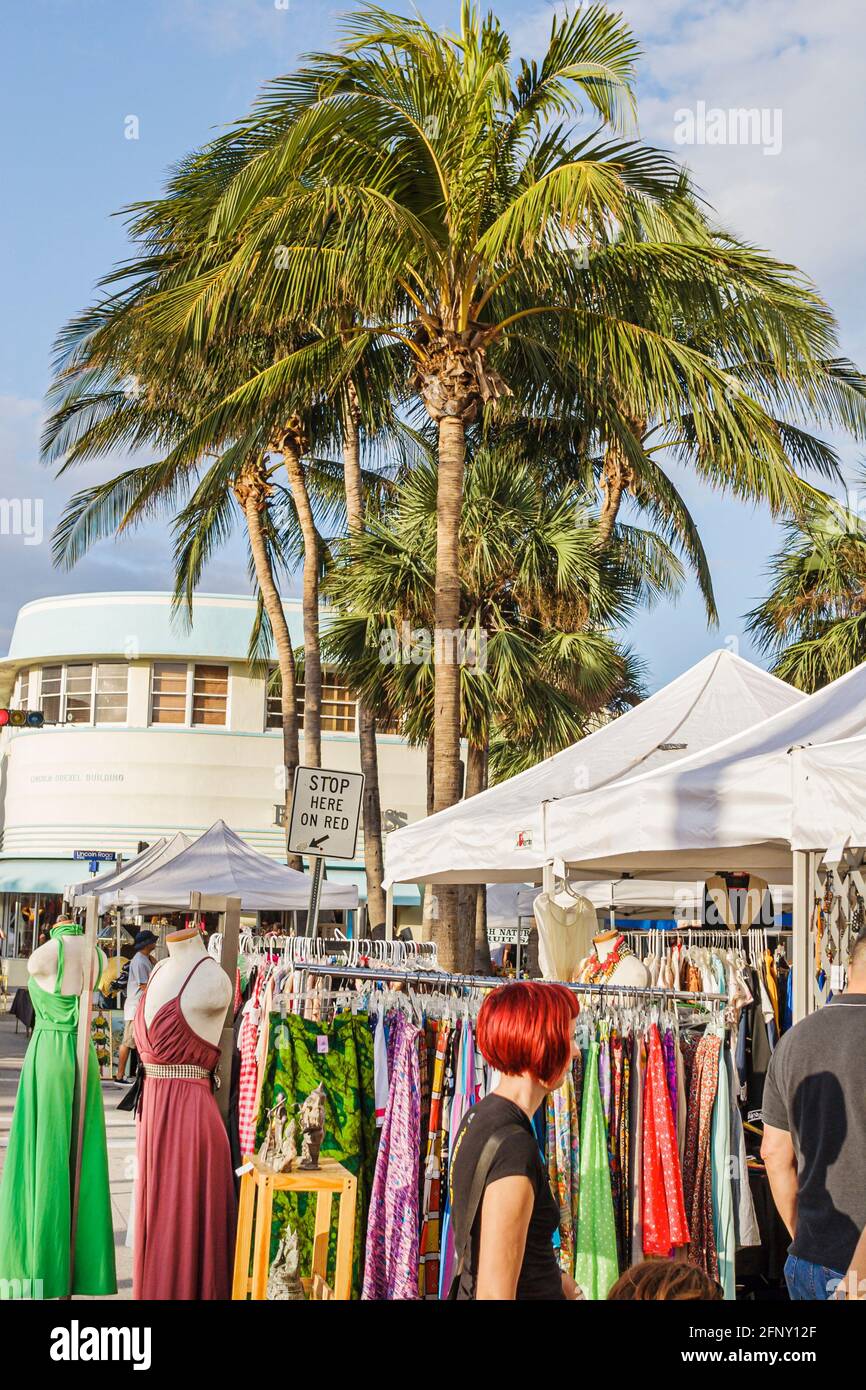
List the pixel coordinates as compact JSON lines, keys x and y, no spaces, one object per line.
{"x":814,"y":1111}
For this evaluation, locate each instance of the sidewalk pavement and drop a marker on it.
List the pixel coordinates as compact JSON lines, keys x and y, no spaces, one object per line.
{"x":120,"y":1127}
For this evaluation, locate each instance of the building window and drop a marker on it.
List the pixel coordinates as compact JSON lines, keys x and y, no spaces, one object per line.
{"x":168,"y":693}
{"x":112,"y":681}
{"x":79,"y":691}
{"x":338,"y":706}
{"x":21,"y":694}
{"x":193,"y":695}
{"x":210,"y":695}
{"x":51,"y":692}
{"x":83,"y":693}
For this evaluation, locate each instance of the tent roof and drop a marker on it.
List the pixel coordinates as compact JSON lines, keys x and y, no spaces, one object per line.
{"x":729,"y":807}
{"x":477,"y":840}
{"x":629,"y":897}
{"x":220,"y":862}
{"x":159,"y":852}
{"x":830,"y":796}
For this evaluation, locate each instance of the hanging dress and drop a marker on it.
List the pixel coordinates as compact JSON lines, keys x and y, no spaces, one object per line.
{"x":662,"y":1202}
{"x":185,"y":1198}
{"x":35,"y":1207}
{"x":698,"y":1164}
{"x":391,"y":1263}
{"x":595,"y":1264}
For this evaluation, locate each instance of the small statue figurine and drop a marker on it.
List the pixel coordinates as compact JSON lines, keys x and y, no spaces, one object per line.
{"x":279,"y":1149}
{"x":283,"y":1280}
{"x":312,"y":1122}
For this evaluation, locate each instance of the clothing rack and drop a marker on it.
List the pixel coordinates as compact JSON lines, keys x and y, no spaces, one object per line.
{"x":442,"y":977}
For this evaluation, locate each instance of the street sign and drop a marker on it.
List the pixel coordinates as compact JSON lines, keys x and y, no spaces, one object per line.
{"x":326,"y":810}
{"x":105,"y":855}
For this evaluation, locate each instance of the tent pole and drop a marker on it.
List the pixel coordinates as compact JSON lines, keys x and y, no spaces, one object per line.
{"x":82,"y":1063}
{"x":801,"y":876}
{"x":389,"y":912}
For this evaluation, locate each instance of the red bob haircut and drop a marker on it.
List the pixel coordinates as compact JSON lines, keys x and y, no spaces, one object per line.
{"x":526,"y":1027}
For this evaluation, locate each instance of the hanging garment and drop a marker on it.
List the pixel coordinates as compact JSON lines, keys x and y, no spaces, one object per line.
{"x":380,"y":1069}
{"x":565,"y":931}
{"x":391,"y":1263}
{"x":461,"y":1103}
{"x":745,"y":1219}
{"x":339,"y":1056}
{"x":663,"y":1205}
{"x":248,"y":1078}
{"x":636,"y":1168}
{"x":698,"y":1174}
{"x":723,"y":1206}
{"x":681,"y":1104}
{"x":595,"y":1264}
{"x":624,"y":1152}
{"x":185,"y":1197}
{"x":428,"y":1270}
{"x":563,"y":1160}
{"x":669,"y":1050}
{"x":35,"y":1210}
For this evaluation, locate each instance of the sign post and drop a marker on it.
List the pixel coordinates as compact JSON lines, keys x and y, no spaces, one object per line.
{"x":326,"y":811}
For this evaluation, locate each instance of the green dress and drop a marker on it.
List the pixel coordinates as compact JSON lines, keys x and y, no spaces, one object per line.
{"x":35,"y":1205}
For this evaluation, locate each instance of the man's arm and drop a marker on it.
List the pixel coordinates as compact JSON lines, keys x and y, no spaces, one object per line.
{"x":857,"y":1269}
{"x":778,"y":1154}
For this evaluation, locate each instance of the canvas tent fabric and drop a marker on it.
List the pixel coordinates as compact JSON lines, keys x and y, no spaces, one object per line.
{"x":729,"y":807}
{"x":498,"y":836}
{"x":220,"y":862}
{"x":160,"y":852}
{"x":641,"y":898}
{"x":830,"y":796}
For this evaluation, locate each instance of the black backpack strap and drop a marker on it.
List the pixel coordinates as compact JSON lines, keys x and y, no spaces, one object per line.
{"x":463,"y":1239}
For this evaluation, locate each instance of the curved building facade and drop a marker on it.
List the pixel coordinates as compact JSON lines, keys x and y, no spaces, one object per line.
{"x":152,"y":725}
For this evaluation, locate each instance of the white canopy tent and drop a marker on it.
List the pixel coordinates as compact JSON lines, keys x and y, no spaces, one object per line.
{"x":830,"y":796}
{"x":498,"y":836}
{"x":729,"y":807}
{"x":220,"y":863}
{"x":626,"y":897}
{"x":160,"y":852}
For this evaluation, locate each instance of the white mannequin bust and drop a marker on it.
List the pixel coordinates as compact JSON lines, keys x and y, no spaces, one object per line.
{"x":630,"y":972}
{"x":208,"y":994}
{"x":42,"y":965}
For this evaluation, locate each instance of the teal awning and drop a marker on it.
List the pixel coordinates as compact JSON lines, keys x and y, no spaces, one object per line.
{"x":39,"y":875}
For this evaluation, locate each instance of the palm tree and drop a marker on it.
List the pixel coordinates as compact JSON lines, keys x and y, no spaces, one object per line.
{"x":539,"y":602}
{"x":416,"y":178}
{"x":813,"y":622}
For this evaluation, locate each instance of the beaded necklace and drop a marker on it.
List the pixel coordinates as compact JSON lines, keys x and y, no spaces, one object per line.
{"x":597,"y":971}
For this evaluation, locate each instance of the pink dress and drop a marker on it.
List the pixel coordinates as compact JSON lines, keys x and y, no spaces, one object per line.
{"x":186,"y":1208}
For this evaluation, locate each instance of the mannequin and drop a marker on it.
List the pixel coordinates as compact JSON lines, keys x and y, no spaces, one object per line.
{"x":208,"y":994}
{"x":565,"y":926}
{"x":42,"y":964}
{"x":629,"y":971}
{"x":185,"y":1205}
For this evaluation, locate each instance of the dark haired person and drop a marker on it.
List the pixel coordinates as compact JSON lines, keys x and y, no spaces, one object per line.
{"x":814,"y":1142}
{"x":665,"y":1281}
{"x":503,"y":1213}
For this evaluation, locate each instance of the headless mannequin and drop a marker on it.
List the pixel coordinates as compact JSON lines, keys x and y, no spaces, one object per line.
{"x":206,"y":997}
{"x":629,"y":972}
{"x":43,"y":962}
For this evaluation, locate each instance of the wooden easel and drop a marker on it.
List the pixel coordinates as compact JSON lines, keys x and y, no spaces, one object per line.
{"x":255,"y":1214}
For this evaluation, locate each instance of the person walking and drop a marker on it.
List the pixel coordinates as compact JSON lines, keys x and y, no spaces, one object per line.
{"x":814,"y":1144}
{"x":503,"y":1214}
{"x":139,"y":973}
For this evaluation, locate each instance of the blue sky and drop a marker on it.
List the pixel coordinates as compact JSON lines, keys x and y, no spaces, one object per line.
{"x":78,"y":69}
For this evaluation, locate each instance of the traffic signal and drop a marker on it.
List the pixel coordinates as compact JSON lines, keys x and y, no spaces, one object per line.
{"x":21,"y":718}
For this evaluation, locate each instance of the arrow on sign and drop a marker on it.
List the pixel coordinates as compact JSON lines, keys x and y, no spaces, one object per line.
{"x":314,"y":844}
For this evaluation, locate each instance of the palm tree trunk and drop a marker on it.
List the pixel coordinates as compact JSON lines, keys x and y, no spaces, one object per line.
{"x":285,"y":655}
{"x":374,"y":862}
{"x":446,"y":716}
{"x":614,"y":482}
{"x":476,"y":781}
{"x":312,"y":653}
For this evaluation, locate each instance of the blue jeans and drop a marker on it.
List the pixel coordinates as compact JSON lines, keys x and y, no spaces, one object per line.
{"x":808,"y":1281}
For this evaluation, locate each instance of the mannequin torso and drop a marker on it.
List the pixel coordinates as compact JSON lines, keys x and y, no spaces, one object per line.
{"x":629,"y":971}
{"x":43,"y":963}
{"x":206,"y":997}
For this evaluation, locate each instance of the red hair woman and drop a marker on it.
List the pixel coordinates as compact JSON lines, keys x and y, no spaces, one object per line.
{"x":502,"y":1210}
